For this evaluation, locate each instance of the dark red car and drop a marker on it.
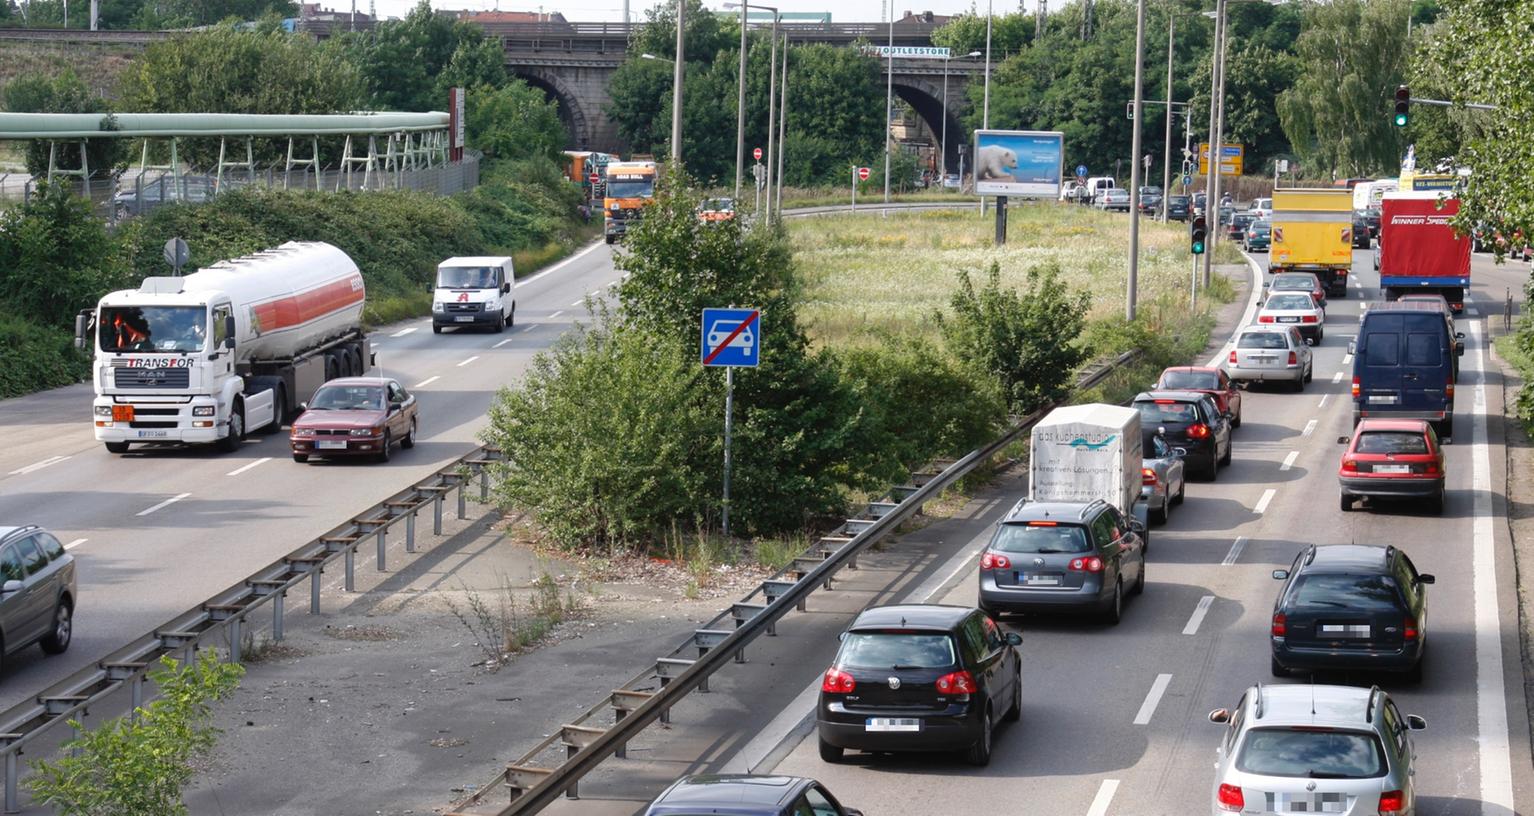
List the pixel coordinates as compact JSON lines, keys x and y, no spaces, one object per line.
{"x":355,"y":416}
{"x":1212,"y":381}
{"x":1305,"y":282}
{"x":1393,"y":458}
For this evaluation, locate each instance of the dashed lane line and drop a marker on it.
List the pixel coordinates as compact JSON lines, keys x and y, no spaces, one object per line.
{"x":466,"y":362}
{"x":164,"y":504}
{"x":77,"y":542}
{"x":1235,"y":552}
{"x":403,"y":332}
{"x":1198,"y":616}
{"x":1104,"y":798}
{"x":237,"y":471}
{"x":1152,"y":699}
{"x":1262,"y":503}
{"x":529,"y":327}
{"x":427,"y":381}
{"x":556,"y":314}
{"x":502,"y":343}
{"x":1310,"y":428}
{"x":35,"y":466}
{"x":1324,"y":398}
{"x":1289,"y":460}
{"x":1337,"y":378}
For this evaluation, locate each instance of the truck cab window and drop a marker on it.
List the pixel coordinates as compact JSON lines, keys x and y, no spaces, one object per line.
{"x":220,"y":314}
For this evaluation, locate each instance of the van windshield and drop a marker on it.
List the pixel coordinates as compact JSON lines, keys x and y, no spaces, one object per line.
{"x":153,"y":328}
{"x":467,"y":277}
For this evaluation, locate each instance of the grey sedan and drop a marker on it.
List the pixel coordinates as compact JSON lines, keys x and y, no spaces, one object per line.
{"x":1161,"y":476}
{"x":37,"y":591}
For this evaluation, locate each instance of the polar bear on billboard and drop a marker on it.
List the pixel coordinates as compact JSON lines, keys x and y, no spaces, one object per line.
{"x":995,"y":162}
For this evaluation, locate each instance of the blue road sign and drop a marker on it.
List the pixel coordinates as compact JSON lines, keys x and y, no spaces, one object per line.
{"x":731,"y":337}
{"x":1081,"y":170}
{"x":1186,"y":180}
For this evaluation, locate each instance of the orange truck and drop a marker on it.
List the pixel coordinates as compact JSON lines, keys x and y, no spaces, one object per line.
{"x":1313,"y":232}
{"x":630,"y":189}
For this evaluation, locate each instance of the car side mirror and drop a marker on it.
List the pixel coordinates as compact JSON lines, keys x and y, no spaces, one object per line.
{"x":842,"y":636}
{"x":1415,"y":722}
{"x":10,"y":586}
{"x":506,"y":288}
{"x":1219,"y":715}
{"x":303,"y":406}
{"x":1280,"y":575}
{"x":1014,"y":639}
{"x":1427,"y":578}
{"x":1352,"y":346}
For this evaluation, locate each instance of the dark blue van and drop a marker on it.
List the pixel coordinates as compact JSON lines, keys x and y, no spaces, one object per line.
{"x":1404,"y":364}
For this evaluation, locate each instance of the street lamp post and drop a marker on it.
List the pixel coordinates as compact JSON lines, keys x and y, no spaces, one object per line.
{"x":943,"y":140}
{"x":740,"y":98}
{"x":777,"y":206}
{"x":772,"y":107}
{"x":1166,"y":161}
{"x":1134,"y":165}
{"x":1212,"y":162}
{"x":676,"y":89}
{"x":889,"y":103}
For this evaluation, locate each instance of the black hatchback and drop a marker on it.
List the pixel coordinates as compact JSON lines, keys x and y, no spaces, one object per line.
{"x":920,"y":677}
{"x":1350,"y":606}
{"x":1193,"y":422}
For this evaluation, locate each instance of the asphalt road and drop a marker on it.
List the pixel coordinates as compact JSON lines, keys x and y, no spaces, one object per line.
{"x":156,"y":533}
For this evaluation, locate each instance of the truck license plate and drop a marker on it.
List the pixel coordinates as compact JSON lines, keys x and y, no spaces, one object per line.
{"x":1382,"y":399}
{"x":892,"y":724}
{"x":331,"y":444}
{"x":464,"y":319}
{"x":153,"y":434}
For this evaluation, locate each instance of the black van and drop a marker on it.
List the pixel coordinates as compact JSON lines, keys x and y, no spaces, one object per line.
{"x":1404,"y":364}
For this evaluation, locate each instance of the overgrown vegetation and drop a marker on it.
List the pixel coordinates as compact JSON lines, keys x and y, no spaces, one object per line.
{"x":137,"y":765}
{"x":502,"y":626}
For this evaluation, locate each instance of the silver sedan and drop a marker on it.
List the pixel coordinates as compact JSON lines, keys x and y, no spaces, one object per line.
{"x":1161,"y":477}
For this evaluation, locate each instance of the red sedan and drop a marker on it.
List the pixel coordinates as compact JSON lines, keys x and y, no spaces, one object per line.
{"x":1393,"y":458}
{"x":1212,"y":381}
{"x":355,"y":416}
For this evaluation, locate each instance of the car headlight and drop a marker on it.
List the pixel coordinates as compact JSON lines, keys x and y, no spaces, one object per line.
{"x":366,"y":431}
{"x":203,"y":410}
{"x":439,"y":307}
{"x":104,"y":411}
{"x":303,"y":432}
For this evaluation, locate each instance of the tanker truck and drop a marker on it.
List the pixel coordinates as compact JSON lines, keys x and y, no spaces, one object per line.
{"x":231,"y":348}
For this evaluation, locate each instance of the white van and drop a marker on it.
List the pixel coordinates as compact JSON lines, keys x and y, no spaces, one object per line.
{"x":1096,"y":185}
{"x":474,"y":292}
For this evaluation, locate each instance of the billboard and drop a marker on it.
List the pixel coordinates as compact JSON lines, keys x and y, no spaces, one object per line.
{"x":906,"y":52}
{"x":1020,"y":163}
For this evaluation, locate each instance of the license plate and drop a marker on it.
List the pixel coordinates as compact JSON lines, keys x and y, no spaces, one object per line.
{"x":1288,"y":320}
{"x":892,"y":724}
{"x":1329,"y":802}
{"x":1355,"y":630}
{"x":122,"y":413}
{"x":1038,"y":580}
{"x":464,"y":319}
{"x":154,"y":434}
{"x":1392,"y":468}
{"x":1383,"y":399}
{"x":331,"y":444}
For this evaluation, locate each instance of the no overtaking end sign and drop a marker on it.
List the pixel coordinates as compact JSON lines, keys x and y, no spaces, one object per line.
{"x":731,"y":337}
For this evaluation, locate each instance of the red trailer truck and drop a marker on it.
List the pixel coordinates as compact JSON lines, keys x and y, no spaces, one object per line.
{"x":1419,"y":251}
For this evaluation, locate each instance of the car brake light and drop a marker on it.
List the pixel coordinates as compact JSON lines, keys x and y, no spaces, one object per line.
{"x":959,"y":682}
{"x":1090,"y":563}
{"x":1411,"y":629}
{"x":1265,"y":318}
{"x":1350,"y":464}
{"x":1043,"y":524}
{"x":1198,"y":430}
{"x":1147,"y":476}
{"x":1231,"y":799}
{"x":1294,"y":358}
{"x":1166,"y":402}
{"x":837,"y":681}
{"x":1232,"y":356}
{"x":990,"y":560}
{"x":1308,"y":318}
{"x":1355,"y":388}
{"x":1392,"y":802}
{"x":1449,"y":389}
{"x":1280,"y":625}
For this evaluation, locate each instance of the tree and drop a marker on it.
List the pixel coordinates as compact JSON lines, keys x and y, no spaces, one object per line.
{"x":409,"y":64}
{"x":515,"y":121}
{"x":55,"y":256}
{"x":64,"y":93}
{"x":640,"y":92}
{"x":137,"y":766}
{"x":1255,"y":76}
{"x":1352,"y":55}
{"x":963,"y":33}
{"x":707,"y":33}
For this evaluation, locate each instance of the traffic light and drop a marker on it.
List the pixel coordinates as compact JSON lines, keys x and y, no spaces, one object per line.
{"x":1403,"y":105}
{"x":1197,"y":233}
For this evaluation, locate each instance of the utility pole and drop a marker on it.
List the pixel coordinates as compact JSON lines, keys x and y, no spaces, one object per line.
{"x":1217,"y":148}
{"x":772,"y":108}
{"x":1166,"y":161}
{"x":889,"y":103}
{"x":1212,"y":167}
{"x":777,"y":206}
{"x":740,"y":103}
{"x":1134,"y":165}
{"x":1086,"y":20}
{"x":676,"y":89}
{"x":1038,"y":21}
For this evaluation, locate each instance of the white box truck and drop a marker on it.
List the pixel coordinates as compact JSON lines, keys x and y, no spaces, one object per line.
{"x":231,"y":348}
{"x":474,"y":292}
{"x":1081,"y":453}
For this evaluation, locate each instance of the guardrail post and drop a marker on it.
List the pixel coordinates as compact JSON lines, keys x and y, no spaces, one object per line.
{"x":410,"y":531}
{"x":351,"y":568}
{"x":277,"y":614}
{"x":484,"y":485}
{"x":383,"y":542}
{"x":436,"y":515}
{"x":314,"y":590}
{"x":10,"y":773}
{"x":234,"y":639}
{"x":463,"y":500}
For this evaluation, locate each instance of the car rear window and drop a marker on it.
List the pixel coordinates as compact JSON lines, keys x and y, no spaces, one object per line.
{"x":1391,"y":442}
{"x":1190,"y":379}
{"x":1262,"y":340}
{"x":1157,"y":413}
{"x":1027,"y":538}
{"x":1315,"y":753}
{"x":1293,"y":284}
{"x":886,"y":649}
{"x":1352,"y":593}
{"x":1290,"y":302}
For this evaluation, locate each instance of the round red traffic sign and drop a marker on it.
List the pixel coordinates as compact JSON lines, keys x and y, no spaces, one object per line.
{"x":594,"y":178}
{"x":756,"y":153}
{"x":862,"y":174}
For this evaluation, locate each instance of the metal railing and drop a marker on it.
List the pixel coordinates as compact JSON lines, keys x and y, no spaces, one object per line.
{"x":224,"y":615}
{"x":723,"y":639}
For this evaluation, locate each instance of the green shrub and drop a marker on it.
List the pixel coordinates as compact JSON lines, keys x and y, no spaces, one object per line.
{"x":34,"y":358}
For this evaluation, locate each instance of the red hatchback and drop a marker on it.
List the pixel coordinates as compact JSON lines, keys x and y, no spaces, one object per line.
{"x":1212,"y":381}
{"x":1393,"y":458}
{"x":355,"y":416}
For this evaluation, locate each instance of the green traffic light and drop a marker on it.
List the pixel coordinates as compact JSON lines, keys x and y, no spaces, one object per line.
{"x":1198,"y":247}
{"x":1401,"y":120}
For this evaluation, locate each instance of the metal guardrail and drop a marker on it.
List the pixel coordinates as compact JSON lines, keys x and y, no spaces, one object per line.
{"x":82,"y":35}
{"x":723,"y":639}
{"x":226,"y":613}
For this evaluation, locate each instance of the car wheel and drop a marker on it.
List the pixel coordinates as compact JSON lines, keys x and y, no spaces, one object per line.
{"x":1414,"y":674}
{"x":1236,"y":423}
{"x":1115,"y":610}
{"x":1345,"y":502}
{"x":1182,"y":488}
{"x":116,"y":447}
{"x":435,"y":329}
{"x":1140,"y":580}
{"x":828,"y":752}
{"x":409,"y":440}
{"x":1298,"y":385}
{"x":1159,"y":515}
{"x":300,"y":458}
{"x":1446,"y":428}
{"x":1229,"y":451}
{"x":1320,"y":335}
{"x":1310,"y":373}
{"x":1278,"y":668}
{"x":1435,"y":505}
{"x":512,"y":320}
{"x":1015,"y":713}
{"x":57,"y":639}
{"x":1213,"y":468}
{"x":387,"y":451}
{"x":979,"y":754}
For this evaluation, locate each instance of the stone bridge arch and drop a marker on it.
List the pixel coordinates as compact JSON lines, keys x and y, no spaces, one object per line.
{"x":924,"y":93}
{"x":556,"y":84}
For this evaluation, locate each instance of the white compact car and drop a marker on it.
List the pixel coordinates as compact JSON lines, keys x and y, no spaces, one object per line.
{"x":1296,"y":309}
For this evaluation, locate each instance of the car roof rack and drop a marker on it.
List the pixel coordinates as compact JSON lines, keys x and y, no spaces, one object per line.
{"x":1257,"y":703}
{"x":1091,"y":506}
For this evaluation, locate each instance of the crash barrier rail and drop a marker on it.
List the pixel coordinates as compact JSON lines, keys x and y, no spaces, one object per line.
{"x":82,"y":35}
{"x":605,"y":728}
{"x":226,"y":613}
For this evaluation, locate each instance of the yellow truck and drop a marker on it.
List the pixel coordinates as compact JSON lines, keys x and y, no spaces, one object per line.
{"x":1313,"y":232}
{"x":630,"y":189}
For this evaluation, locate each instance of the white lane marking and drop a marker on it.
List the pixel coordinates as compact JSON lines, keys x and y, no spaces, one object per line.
{"x":1198,"y":615}
{"x":1495,"y":755}
{"x":529,"y":328}
{"x":52,"y":460}
{"x":1235,"y":552}
{"x":595,"y":245}
{"x":1104,"y":798}
{"x":966,"y":562}
{"x":1324,"y":398}
{"x":1152,"y":699}
{"x":1473,"y":312}
{"x":1289,"y":460}
{"x":426,"y":382}
{"x":403,"y":332}
{"x":470,"y":360}
{"x":1337,"y":377}
{"x":578,"y":302}
{"x":77,"y":542}
{"x":1310,"y":428}
{"x":502,"y":343}
{"x":1246,"y":317}
{"x":164,"y":504}
{"x":1262,"y":503}
{"x":556,"y":314}
{"x":1347,"y":359}
{"x":237,"y":471}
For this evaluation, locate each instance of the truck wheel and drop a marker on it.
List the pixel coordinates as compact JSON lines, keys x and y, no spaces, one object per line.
{"x":610,"y":238}
{"x":231,"y":443}
{"x":512,"y":321}
{"x":116,"y":447}
{"x":279,"y":410}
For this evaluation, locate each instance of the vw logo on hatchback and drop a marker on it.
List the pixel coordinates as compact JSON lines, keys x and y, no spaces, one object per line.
{"x":894,"y":682}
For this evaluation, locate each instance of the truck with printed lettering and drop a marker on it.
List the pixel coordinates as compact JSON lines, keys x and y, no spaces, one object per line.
{"x":1082,"y":453}
{"x":231,"y":348}
{"x":630,"y":189}
{"x":1313,"y":232}
{"x":1420,"y":253}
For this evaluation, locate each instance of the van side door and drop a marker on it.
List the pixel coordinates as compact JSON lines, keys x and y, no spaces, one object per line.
{"x":1377,"y":364}
{"x":1426,"y":370}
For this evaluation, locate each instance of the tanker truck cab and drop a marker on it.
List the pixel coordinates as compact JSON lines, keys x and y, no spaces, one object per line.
{"x":232,"y":348}
{"x":474,"y":292}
